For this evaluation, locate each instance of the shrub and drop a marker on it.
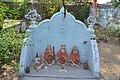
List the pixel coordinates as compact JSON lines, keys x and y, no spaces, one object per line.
{"x":12,"y":10}
{"x":113,"y":31}
{"x":10,"y":46}
{"x":116,"y":3}
{"x":50,"y":7}
{"x":80,"y":10}
{"x":3,"y":10}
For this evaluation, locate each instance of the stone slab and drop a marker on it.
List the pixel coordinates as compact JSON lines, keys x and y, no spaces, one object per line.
{"x":53,"y":73}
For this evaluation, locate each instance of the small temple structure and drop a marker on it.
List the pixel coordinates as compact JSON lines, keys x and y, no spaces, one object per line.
{"x":61,"y":29}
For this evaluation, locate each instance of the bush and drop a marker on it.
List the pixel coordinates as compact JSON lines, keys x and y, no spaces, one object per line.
{"x":116,"y":3}
{"x":50,"y":7}
{"x":10,"y":46}
{"x":3,"y":10}
{"x":80,"y":10}
{"x":113,"y":31}
{"x":12,"y":10}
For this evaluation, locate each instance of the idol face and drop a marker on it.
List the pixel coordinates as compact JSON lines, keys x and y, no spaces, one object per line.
{"x":75,"y":49}
{"x":62,"y":48}
{"x":48,"y":48}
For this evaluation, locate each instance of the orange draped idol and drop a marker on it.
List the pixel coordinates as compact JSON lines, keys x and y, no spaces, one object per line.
{"x":74,"y":56}
{"x":48,"y":55}
{"x":62,"y":55}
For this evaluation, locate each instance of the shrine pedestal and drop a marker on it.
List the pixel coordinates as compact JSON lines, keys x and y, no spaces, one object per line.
{"x":53,"y":72}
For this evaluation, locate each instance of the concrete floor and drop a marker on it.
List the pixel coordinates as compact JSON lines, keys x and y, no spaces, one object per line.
{"x":46,"y":78}
{"x":54,"y":73}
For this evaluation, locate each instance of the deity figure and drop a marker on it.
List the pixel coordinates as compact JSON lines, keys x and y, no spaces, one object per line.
{"x":62,"y":55}
{"x":48,"y":55}
{"x":38,"y":62}
{"x":74,"y":57}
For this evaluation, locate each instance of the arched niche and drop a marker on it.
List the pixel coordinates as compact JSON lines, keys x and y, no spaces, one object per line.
{"x":59,"y":30}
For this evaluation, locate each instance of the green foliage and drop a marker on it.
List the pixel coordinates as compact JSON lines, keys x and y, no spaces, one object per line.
{"x":8,"y":12}
{"x":116,"y":3}
{"x":10,"y":46}
{"x":11,"y":0}
{"x":113,"y":31}
{"x":23,"y":8}
{"x":80,"y":10}
{"x":12,"y":10}
{"x":50,"y":7}
{"x":17,"y":9}
{"x":3,"y":10}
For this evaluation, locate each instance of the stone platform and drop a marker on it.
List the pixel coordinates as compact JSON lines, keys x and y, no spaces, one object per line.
{"x":54,"y":73}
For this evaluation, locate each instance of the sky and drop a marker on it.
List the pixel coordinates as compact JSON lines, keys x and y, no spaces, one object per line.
{"x":103,"y":1}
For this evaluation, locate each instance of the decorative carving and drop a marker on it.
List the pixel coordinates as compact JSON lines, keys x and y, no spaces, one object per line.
{"x":91,"y":20}
{"x":33,"y":15}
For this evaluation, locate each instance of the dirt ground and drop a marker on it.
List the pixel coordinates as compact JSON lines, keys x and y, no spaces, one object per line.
{"x":109,"y":62}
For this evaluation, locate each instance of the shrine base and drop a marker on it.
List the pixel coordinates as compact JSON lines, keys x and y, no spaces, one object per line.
{"x":54,"y":73}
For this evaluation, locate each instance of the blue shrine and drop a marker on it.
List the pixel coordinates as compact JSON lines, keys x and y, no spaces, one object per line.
{"x":54,"y":32}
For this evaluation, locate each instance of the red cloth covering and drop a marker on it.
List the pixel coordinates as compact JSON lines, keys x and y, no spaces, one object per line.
{"x":48,"y":56}
{"x":62,"y":57}
{"x":95,"y":7}
{"x":74,"y":58}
